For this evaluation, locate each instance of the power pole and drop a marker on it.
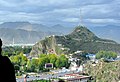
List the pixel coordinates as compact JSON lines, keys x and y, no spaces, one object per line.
{"x":81,"y":21}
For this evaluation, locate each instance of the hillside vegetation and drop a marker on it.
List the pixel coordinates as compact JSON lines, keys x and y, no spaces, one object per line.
{"x":80,"y":39}
{"x":104,"y":72}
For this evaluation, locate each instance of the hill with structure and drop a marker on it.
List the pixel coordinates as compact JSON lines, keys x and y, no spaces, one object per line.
{"x":81,"y":39}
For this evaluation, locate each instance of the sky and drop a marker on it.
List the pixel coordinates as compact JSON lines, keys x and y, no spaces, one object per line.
{"x":90,"y":13}
{"x":65,"y":12}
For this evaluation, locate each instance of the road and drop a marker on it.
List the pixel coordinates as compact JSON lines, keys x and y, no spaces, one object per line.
{"x":43,"y":76}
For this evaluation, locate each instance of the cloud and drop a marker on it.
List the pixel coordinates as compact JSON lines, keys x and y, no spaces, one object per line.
{"x":46,"y":5}
{"x":66,"y":12}
{"x":102,"y":21}
{"x":71,"y":20}
{"x":20,"y":16}
{"x":59,"y":11}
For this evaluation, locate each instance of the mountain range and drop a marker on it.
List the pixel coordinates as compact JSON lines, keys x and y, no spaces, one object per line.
{"x":35,"y":27}
{"x":107,"y":32}
{"x":27,"y":33}
{"x":80,"y":39}
{"x":21,"y":32}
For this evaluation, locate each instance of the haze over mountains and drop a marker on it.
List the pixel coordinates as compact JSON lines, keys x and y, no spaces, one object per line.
{"x":107,"y":32}
{"x":34,"y":27}
{"x":25,"y":32}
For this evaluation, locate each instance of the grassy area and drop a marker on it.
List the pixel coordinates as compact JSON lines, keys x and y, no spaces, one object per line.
{"x":104,"y":72}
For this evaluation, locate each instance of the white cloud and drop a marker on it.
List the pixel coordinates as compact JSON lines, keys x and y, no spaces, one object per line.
{"x":4,"y":3}
{"x":94,"y":11}
{"x":71,"y":20}
{"x":20,"y":16}
{"x":100,"y":21}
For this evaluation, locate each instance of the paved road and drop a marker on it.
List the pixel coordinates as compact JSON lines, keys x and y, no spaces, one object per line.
{"x":43,"y":76}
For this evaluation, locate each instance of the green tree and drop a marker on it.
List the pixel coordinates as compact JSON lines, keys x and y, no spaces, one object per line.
{"x":40,"y":64}
{"x":32,"y":65}
{"x":42,"y":55}
{"x":106,"y":54}
{"x":57,"y":63}
{"x":15,"y":59}
{"x":42,"y":61}
{"x":19,"y":60}
{"x":53,"y":58}
{"x":62,"y":61}
{"x":23,"y":59}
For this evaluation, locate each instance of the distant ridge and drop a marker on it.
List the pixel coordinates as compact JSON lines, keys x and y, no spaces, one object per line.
{"x":35,"y":27}
{"x":24,"y":32}
{"x":108,"y":32}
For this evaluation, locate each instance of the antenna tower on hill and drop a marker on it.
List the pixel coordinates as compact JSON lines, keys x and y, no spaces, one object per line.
{"x":81,"y":20}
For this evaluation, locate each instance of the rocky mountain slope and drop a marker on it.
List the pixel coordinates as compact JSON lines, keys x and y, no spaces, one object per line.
{"x":80,"y":39}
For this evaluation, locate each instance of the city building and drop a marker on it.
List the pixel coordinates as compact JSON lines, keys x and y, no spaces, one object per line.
{"x":75,"y":78}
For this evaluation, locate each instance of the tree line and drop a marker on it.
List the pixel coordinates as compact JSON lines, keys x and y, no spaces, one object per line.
{"x":23,"y":64}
